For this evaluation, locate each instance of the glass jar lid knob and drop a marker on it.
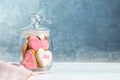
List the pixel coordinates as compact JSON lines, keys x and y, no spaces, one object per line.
{"x":36,"y":19}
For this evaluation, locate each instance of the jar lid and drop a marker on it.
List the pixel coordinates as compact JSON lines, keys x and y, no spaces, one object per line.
{"x":35,"y":28}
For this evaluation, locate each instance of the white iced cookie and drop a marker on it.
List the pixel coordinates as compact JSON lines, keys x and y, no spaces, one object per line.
{"x":43,"y":57}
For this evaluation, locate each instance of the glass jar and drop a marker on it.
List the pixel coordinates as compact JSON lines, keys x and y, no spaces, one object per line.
{"x":35,"y":46}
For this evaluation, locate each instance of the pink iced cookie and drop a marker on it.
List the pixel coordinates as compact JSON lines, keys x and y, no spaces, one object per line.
{"x":29,"y":61}
{"x":45,"y":44}
{"x":35,"y":43}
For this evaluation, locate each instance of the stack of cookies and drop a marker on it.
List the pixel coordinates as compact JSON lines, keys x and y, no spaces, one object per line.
{"x":35,"y":52}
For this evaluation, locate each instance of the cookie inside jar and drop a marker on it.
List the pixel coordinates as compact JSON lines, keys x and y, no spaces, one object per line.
{"x":36,"y":52}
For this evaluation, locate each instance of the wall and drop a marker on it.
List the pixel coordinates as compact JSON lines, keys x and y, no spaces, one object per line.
{"x":81,"y":30}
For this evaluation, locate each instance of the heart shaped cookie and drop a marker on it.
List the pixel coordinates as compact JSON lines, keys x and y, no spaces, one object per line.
{"x":29,"y":61}
{"x":34,"y":43}
{"x":45,"y":44}
{"x":43,"y":57}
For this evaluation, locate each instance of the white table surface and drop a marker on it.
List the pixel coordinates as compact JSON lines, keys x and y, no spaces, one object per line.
{"x":81,"y":71}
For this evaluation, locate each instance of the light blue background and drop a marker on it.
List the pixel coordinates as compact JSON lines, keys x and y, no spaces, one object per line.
{"x":81,"y":30}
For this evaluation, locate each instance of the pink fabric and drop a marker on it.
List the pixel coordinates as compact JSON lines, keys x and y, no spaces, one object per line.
{"x":16,"y":72}
{"x":41,"y":72}
{"x":11,"y":72}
